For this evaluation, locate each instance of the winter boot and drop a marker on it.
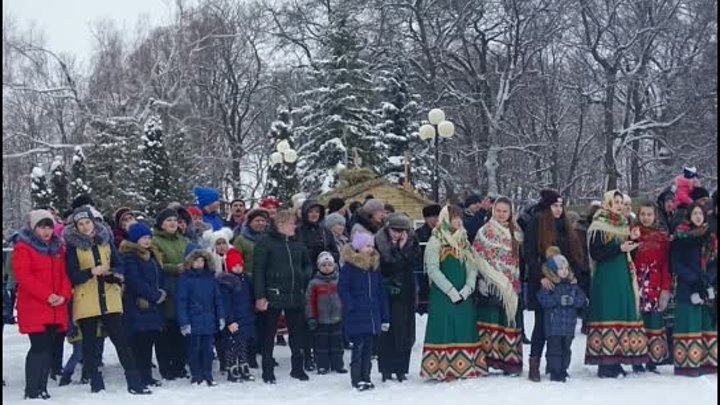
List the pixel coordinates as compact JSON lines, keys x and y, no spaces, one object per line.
{"x":401,"y":377}
{"x":233,"y":374}
{"x":245,"y":373}
{"x":66,"y":379}
{"x":638,"y":368}
{"x":652,"y":368}
{"x":386,"y":376}
{"x":534,"y":371}
{"x":268,"y":376}
{"x":97,"y":383}
{"x":135,"y":384}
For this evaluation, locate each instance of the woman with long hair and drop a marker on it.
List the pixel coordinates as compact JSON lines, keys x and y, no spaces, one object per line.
{"x":551,"y":227}
{"x":451,"y":348}
{"x":497,"y":244}
{"x":616,"y":334}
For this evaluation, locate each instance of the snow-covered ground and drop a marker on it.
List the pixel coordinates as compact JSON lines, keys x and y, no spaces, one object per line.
{"x":583,"y":388}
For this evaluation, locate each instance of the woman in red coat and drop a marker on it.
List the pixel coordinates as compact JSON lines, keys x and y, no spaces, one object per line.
{"x":652,"y":262}
{"x":44,"y":290}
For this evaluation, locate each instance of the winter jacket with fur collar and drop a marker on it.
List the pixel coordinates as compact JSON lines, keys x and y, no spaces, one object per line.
{"x":362,"y":293}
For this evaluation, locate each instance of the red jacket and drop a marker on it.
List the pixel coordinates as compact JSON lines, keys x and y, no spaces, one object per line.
{"x":652,"y":263}
{"x":39,"y":269}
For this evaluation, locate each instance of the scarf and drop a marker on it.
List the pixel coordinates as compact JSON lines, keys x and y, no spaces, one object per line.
{"x":498,"y":266}
{"x":709,"y":250}
{"x":456,"y":240}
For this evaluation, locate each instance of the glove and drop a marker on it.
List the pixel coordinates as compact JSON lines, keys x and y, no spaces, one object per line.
{"x":222,"y":324}
{"x":312,"y":324}
{"x":664,"y":300}
{"x":163,"y":295}
{"x":567,"y":300}
{"x":385,"y":327}
{"x":185,"y":330}
{"x":695,"y":299}
{"x":710,"y":293}
{"x":465,"y":292}
{"x":455,"y":296}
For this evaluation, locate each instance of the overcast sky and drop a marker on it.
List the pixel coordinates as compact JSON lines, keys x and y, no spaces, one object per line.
{"x":67,"y":23}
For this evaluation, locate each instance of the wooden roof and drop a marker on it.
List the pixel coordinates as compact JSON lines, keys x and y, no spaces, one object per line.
{"x":357,"y":189}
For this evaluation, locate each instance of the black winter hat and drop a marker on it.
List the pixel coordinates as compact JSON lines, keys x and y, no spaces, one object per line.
{"x":698,"y":193}
{"x":432,"y":210}
{"x":82,"y":199}
{"x":82,"y":213}
{"x":335,"y":204}
{"x":163,"y":215}
{"x":257,"y":212}
{"x":473,"y":199}
{"x":549,"y":197}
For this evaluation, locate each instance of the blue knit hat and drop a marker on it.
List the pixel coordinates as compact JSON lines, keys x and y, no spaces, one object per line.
{"x":555,"y":259}
{"x":137,"y":231}
{"x":205,"y":196}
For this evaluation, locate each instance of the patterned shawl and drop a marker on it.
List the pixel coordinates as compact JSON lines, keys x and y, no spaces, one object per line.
{"x":709,"y":243}
{"x":456,"y":240}
{"x":498,"y":266}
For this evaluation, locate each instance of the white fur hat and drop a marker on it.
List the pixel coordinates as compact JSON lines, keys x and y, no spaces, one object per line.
{"x":211,"y":237}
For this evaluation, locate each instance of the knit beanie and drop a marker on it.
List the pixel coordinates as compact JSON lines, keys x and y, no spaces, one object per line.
{"x":555,"y":259}
{"x":36,"y":216}
{"x":137,"y":231}
{"x":205,"y":196}
{"x":549,"y":197}
{"x":432,"y":210}
{"x":698,"y":193}
{"x":689,"y":172}
{"x":362,"y":239}
{"x":270,"y":202}
{"x":399,"y":221}
{"x":335,"y":204}
{"x":194,"y":211}
{"x":163,"y":215}
{"x":373,"y":205}
{"x":257,"y":212}
{"x":83,"y":212}
{"x":119,"y":214}
{"x":334,"y":219}
{"x":472,"y":199}
{"x":324,"y":257}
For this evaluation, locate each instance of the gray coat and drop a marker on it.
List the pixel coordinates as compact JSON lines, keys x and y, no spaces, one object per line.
{"x":322,"y":301}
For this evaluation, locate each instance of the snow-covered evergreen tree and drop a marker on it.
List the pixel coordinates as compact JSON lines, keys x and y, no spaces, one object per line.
{"x":39,"y":190}
{"x":79,"y":184}
{"x":336,"y":117}
{"x":59,"y":184}
{"x":282,"y":180}
{"x":154,"y":168}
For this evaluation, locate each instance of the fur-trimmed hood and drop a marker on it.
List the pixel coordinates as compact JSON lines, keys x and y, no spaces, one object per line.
{"x":51,"y":248}
{"x":133,"y":248}
{"x":306,"y":208}
{"x":364,"y":262}
{"x":190,"y":258}
{"x":231,"y":280}
{"x":73,"y":237}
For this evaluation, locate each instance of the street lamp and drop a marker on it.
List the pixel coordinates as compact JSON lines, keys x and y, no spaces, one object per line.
{"x":445,"y":129}
{"x":283,"y":153}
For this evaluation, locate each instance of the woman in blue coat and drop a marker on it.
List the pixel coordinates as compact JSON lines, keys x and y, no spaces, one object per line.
{"x":144,"y":296}
{"x":694,"y":261}
{"x":200,"y":311}
{"x":239,"y":301}
{"x":365,"y":304}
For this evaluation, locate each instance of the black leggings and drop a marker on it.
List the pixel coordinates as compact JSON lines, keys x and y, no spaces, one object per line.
{"x":114,"y":328}
{"x":38,"y":359}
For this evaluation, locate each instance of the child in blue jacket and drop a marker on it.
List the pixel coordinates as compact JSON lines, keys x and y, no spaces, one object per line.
{"x":560,"y":305}
{"x":236,"y":288}
{"x":365,"y":304}
{"x":200,"y":312}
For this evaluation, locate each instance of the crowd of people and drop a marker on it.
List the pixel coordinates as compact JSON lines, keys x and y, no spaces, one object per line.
{"x":193,"y":287}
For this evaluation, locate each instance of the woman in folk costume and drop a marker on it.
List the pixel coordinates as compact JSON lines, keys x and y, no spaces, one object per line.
{"x":615,"y":330}
{"x":652,"y":263}
{"x":694,"y":261}
{"x":451,"y":348}
{"x":498,"y":244}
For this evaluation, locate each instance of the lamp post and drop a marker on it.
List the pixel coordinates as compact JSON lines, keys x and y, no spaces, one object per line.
{"x":438,"y":128}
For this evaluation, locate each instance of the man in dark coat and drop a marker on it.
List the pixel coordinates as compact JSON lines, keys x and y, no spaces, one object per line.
{"x":430,"y":214}
{"x":399,"y":261}
{"x":281,"y":271}
{"x":474,"y":217}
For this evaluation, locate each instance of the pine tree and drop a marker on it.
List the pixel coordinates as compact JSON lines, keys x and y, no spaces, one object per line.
{"x":79,"y":184}
{"x":282,"y":177}
{"x":336,"y":117}
{"x":59,"y":184}
{"x":154,"y":165}
{"x":39,"y":190}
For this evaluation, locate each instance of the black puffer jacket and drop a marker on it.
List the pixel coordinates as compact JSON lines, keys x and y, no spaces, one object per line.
{"x":314,"y":236}
{"x":281,"y":270}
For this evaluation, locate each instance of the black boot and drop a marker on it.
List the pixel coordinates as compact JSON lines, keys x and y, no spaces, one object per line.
{"x":233,"y":374}
{"x":66,"y":379}
{"x":638,"y":368}
{"x":97,"y":383}
{"x":135,"y":385}
{"x":386,"y":376}
{"x":652,"y":368}
{"x":401,"y":377}
{"x":299,"y":375}
{"x":268,"y":377}
{"x":245,"y":373}
{"x":252,"y":361}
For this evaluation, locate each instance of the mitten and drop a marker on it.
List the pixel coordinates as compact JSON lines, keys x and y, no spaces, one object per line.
{"x":695,"y":299}
{"x":465,"y":292}
{"x":163,"y":295}
{"x":664,"y":300}
{"x":312,"y":324}
{"x":454,"y":296}
{"x":710,"y":293}
{"x":185,"y":330}
{"x":567,"y":300}
{"x":385,"y":327}
{"x":222,"y":324}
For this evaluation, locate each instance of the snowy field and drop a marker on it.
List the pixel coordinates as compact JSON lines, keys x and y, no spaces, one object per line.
{"x":584,"y":388}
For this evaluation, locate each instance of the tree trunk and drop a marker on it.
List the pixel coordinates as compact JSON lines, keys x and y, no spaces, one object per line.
{"x":611,"y":173}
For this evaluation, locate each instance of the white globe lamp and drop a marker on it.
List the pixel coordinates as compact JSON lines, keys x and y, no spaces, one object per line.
{"x":283,"y":146}
{"x":290,"y":156}
{"x":446,"y":129}
{"x":427,"y":132}
{"x":435,"y":116}
{"x":276,"y":158}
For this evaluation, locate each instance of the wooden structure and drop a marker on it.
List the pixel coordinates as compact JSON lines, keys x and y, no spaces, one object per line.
{"x":404,"y":199}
